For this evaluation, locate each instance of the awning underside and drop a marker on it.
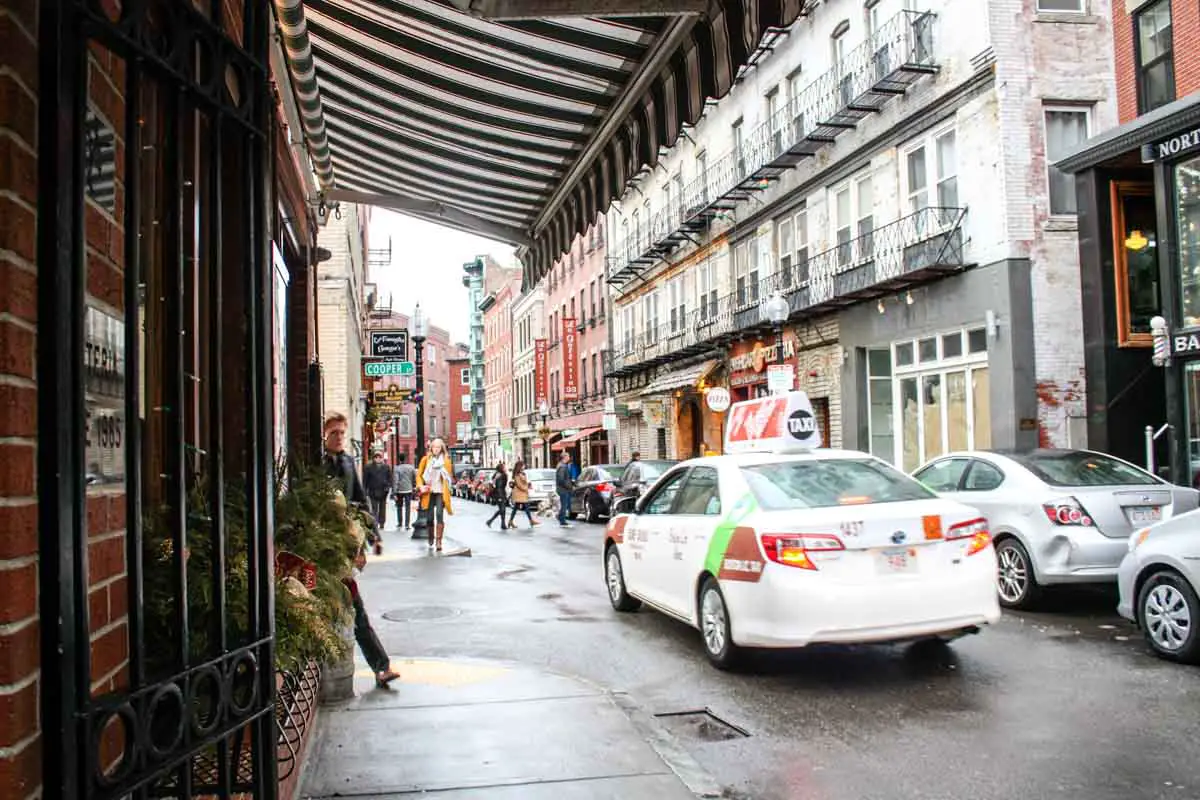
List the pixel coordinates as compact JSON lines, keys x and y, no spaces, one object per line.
{"x":688,"y":376}
{"x":521,"y":130}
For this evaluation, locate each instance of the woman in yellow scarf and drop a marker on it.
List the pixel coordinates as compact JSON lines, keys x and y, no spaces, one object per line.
{"x":435,"y":477}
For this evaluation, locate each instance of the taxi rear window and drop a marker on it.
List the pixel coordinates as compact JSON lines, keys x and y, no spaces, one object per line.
{"x":828,"y":482}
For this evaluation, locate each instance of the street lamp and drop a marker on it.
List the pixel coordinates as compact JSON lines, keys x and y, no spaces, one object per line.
{"x":419,"y":331}
{"x":544,"y":410}
{"x":777,"y":310}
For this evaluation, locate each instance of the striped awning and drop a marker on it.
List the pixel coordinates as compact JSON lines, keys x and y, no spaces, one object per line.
{"x":522,"y":130}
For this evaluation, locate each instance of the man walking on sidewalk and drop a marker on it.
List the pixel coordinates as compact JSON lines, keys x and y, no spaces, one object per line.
{"x":403,"y":479}
{"x":564,"y":484}
{"x":377,"y":480}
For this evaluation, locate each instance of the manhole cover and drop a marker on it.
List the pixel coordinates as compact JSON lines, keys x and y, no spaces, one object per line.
{"x":421,"y":614}
{"x":703,"y":725}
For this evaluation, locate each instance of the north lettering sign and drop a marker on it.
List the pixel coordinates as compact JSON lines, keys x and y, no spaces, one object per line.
{"x":1177,"y":144}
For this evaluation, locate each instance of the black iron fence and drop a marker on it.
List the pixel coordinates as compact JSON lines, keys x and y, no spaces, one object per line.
{"x":914,"y":248}
{"x":857,"y":85}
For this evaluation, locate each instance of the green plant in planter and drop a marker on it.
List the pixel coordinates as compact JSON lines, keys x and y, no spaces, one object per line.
{"x":311,"y":522}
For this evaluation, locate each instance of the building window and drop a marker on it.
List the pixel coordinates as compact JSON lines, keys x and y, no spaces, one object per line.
{"x":583,"y":373}
{"x":596,"y":373}
{"x":775,"y":119}
{"x":1187,"y":196}
{"x":737,"y":147}
{"x":677,"y":304}
{"x":650,"y":316}
{"x":854,"y":220}
{"x":1135,"y":262}
{"x":1070,"y":6}
{"x":1066,"y":128}
{"x":929,"y":396}
{"x":871,"y":17}
{"x":405,"y":425}
{"x":932,"y":163}
{"x":707,"y":289}
{"x":465,"y":402}
{"x":464,"y":377}
{"x":592,"y":294}
{"x":745,"y":263}
{"x":1155,"y":56}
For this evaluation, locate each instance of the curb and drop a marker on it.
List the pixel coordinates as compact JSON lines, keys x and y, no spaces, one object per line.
{"x":697,"y":779}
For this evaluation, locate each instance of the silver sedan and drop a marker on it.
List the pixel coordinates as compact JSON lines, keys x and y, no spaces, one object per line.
{"x":1058,"y":516}
{"x":1158,"y":580}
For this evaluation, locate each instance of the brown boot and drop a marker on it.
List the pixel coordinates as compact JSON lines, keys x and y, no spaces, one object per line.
{"x":429,"y":528}
{"x":440,"y":530}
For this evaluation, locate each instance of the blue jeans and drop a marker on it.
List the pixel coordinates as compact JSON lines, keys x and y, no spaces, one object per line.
{"x":564,"y":505}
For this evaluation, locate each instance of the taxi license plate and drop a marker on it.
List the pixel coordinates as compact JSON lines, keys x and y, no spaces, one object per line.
{"x":1141,"y":514}
{"x":896,"y":560}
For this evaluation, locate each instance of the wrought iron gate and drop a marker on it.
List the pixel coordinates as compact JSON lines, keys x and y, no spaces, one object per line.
{"x":155,"y":449}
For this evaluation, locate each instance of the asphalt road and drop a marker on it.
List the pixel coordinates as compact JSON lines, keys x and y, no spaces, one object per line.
{"x":1064,"y":703}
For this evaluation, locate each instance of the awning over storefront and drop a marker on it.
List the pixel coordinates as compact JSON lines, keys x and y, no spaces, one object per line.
{"x":689,"y":376}
{"x":1159,"y":124}
{"x":498,"y":123}
{"x":570,"y":440}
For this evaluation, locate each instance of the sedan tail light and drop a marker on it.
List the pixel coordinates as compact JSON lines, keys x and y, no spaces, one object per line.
{"x":792,"y":549}
{"x":604,"y":487}
{"x":976,"y":530}
{"x":1067,"y":511}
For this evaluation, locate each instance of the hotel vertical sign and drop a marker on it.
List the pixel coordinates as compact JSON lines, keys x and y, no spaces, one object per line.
{"x":570,"y":338}
{"x":539,"y":372}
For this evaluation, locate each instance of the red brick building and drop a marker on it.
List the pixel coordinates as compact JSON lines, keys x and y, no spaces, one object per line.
{"x":459,"y":378}
{"x":1138,"y":195}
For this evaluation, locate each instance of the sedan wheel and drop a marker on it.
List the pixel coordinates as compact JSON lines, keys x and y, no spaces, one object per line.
{"x":1015,"y":581}
{"x":615,"y":578}
{"x":1169,"y":612}
{"x":593,"y":513}
{"x":715,"y":627}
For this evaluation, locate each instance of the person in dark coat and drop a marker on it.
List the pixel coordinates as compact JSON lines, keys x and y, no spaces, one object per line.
{"x":377,"y":480}
{"x":340,"y":466}
{"x":564,"y":484}
{"x":500,"y":496}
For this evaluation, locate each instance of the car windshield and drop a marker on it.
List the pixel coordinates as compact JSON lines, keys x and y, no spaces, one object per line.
{"x":1079,"y":468}
{"x":540,"y":474}
{"x":655,"y":469}
{"x":606,"y":472}
{"x":824,"y":483}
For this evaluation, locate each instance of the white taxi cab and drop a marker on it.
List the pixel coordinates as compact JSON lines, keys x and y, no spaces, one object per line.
{"x":780,"y":543}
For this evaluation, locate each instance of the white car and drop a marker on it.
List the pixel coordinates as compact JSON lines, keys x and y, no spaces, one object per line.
{"x":1058,"y":516}
{"x":771,"y":549}
{"x":1159,"y":579}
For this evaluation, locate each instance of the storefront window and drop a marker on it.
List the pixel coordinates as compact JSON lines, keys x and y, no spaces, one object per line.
{"x":1135,"y":262}
{"x":1187,"y":196}
{"x":879,"y":400}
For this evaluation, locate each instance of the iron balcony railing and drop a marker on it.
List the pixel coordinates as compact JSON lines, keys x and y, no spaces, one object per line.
{"x":860,"y":84}
{"x":913,"y":249}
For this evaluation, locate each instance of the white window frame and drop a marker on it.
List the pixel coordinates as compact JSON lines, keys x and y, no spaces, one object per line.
{"x":934,"y":179}
{"x":940,"y":366}
{"x":464,"y":376}
{"x":746,"y":269}
{"x":861,"y":221}
{"x":707,"y":287}
{"x":1061,"y":108}
{"x":650,"y":317}
{"x":1081,"y":8}
{"x":677,"y":303}
{"x":871,"y":18}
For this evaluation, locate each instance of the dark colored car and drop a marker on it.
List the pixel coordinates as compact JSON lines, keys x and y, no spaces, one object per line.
{"x":592,"y":498}
{"x":651,"y":472}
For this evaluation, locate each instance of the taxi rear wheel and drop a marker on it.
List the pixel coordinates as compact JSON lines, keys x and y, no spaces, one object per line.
{"x":715,"y":627}
{"x":615,"y":578}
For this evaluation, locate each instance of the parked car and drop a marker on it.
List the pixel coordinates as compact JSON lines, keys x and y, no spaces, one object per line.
{"x":463,"y":482}
{"x":1058,"y":516}
{"x":541,"y":488}
{"x":1159,"y":580}
{"x":482,"y":485}
{"x":651,"y":472}
{"x":592,"y":498}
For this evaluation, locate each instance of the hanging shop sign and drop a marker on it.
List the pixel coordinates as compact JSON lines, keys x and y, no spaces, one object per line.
{"x":1185,"y":343}
{"x":540,"y":392}
{"x":378,"y":368}
{"x":717,"y":399}
{"x":570,"y":338}
{"x":390,"y":343}
{"x":654,"y":414}
{"x":759,"y":356}
{"x":392,"y":394}
{"x":781,"y":378}
{"x":104,"y":397}
{"x":1178,"y":144}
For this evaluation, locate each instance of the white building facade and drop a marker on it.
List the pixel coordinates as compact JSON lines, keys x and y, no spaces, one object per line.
{"x":341,"y":315}
{"x":529,"y":324}
{"x":884,"y":168}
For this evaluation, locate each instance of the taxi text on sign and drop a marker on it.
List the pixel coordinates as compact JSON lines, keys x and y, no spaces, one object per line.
{"x":775,"y":424}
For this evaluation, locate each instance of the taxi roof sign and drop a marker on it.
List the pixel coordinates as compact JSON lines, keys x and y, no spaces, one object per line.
{"x":782,"y":423}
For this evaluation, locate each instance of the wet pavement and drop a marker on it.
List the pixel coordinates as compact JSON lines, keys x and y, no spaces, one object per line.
{"x":1064,"y":703}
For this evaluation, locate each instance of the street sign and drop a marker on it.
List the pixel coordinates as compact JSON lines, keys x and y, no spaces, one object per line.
{"x":781,"y":378}
{"x":390,"y":343}
{"x":388,"y":408}
{"x":392,"y":394}
{"x":378,"y":369}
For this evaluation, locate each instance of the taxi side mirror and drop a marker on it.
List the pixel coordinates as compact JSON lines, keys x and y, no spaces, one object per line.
{"x":626,"y":505}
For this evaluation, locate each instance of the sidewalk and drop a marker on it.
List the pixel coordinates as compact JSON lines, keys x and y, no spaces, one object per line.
{"x":463,"y":728}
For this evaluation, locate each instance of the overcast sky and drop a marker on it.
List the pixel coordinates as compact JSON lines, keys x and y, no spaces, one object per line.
{"x":426,"y":267}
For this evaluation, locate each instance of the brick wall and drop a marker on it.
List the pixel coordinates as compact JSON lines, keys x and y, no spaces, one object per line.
{"x":20,"y":747}
{"x":1185,"y":21}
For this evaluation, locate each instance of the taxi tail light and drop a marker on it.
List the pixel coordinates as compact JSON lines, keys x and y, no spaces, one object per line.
{"x":974,"y":529}
{"x":1067,"y":511}
{"x":792,"y":549}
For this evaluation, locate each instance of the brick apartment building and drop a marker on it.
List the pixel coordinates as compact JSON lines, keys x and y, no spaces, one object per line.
{"x":459,"y":432}
{"x":576,"y":292}
{"x":1137,"y":189}
{"x":501,"y":286}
